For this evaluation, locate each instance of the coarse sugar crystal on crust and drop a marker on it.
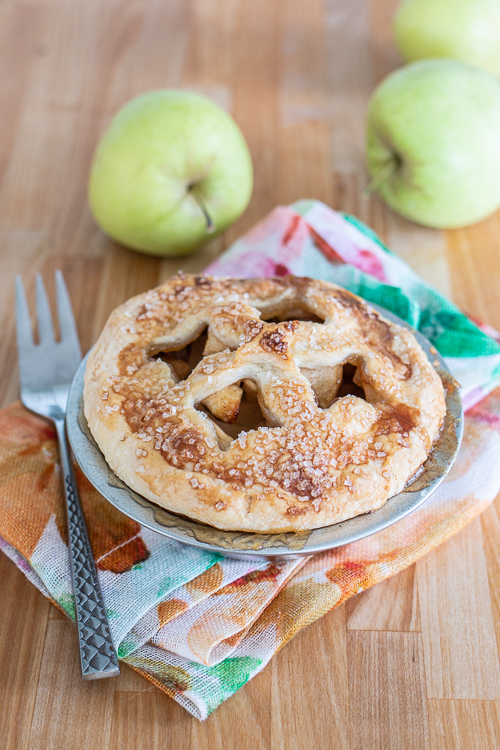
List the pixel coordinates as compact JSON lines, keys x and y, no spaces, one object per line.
{"x":261,"y":404}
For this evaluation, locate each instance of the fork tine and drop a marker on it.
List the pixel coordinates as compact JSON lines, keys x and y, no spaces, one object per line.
{"x":67,"y":324}
{"x":45,"y":327}
{"x":23,"y":322}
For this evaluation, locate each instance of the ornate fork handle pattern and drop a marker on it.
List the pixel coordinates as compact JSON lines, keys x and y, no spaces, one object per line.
{"x":97,"y":652}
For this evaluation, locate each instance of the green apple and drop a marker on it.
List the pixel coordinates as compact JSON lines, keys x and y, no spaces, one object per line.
{"x":466,"y":30}
{"x":172,"y":171}
{"x":433,"y":143}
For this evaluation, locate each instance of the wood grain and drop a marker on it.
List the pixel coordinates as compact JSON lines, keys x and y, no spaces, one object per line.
{"x":56,"y":718}
{"x":471,"y":252}
{"x":411,"y":663}
{"x":148,"y":719}
{"x":248,"y":716}
{"x":388,"y":704}
{"x":461,"y":658}
{"x":423,"y":249}
{"x":464,"y":725}
{"x":315,"y":678}
{"x":490,"y":526}
{"x":19,"y":676}
{"x":391,"y":605}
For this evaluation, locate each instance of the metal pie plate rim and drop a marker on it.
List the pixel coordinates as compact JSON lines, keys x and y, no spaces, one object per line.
{"x":286,"y":545}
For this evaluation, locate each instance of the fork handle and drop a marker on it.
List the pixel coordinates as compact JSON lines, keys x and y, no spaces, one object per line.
{"x":97,"y":653}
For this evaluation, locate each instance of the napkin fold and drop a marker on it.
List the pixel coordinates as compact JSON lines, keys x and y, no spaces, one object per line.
{"x":197,"y":625}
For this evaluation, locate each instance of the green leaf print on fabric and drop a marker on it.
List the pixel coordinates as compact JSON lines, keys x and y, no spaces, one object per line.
{"x":392,"y":299}
{"x":230,"y":675}
{"x":168,"y":584}
{"x":454,"y":335}
{"x":442,"y":322}
{"x":366,"y":230}
{"x":126,"y":647}
{"x":234,"y":673}
{"x":67,"y":602}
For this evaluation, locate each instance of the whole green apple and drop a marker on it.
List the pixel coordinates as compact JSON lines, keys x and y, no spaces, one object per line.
{"x":466,"y":30}
{"x":433,"y":143}
{"x":171,"y":172}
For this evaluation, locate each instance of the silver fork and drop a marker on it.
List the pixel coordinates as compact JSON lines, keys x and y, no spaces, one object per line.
{"x":46,"y":371}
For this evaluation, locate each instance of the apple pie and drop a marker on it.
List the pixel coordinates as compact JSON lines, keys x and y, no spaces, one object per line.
{"x":263,"y":405}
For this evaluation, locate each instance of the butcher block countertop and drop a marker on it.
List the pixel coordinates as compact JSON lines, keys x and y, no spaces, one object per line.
{"x":412,"y":664}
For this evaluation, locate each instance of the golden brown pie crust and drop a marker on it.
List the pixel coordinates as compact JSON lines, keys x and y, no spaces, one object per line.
{"x":277,"y":349}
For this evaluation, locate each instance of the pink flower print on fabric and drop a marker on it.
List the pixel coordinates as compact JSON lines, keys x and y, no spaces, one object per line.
{"x":487,"y":412}
{"x":274,"y":247}
{"x":369,"y":263}
{"x":278,"y":244}
{"x":247,"y":265}
{"x":323,"y":246}
{"x":266,"y":231}
{"x":294,"y":241}
{"x":345,"y":240}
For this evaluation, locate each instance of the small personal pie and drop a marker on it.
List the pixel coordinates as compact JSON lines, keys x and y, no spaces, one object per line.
{"x":263,"y":405}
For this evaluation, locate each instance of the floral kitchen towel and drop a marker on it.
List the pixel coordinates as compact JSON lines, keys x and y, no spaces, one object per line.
{"x":197,"y":625}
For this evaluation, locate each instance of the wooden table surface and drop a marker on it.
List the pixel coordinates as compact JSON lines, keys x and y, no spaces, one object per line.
{"x":410,"y":664}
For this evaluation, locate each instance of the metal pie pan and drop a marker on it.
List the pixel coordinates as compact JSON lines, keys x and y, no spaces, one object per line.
{"x":287,"y":545}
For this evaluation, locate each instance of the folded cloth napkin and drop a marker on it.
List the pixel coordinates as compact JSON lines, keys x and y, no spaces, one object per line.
{"x":200,"y":626}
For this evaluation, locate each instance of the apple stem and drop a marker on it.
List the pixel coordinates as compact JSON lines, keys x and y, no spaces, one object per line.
{"x":209,"y":224}
{"x":383,"y":174}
